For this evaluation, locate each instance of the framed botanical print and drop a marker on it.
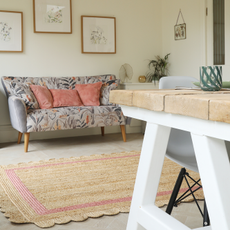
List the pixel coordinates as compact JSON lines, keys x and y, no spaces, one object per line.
{"x":98,"y":35}
{"x":11,"y":31}
{"x":180,"y":31}
{"x":52,"y":16}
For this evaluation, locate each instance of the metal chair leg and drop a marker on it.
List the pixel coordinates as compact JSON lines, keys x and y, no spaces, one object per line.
{"x":175,"y":191}
{"x":174,"y":201}
{"x":206,"y":221}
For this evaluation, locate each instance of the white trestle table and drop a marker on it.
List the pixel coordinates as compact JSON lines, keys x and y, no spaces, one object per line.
{"x":206,"y":115}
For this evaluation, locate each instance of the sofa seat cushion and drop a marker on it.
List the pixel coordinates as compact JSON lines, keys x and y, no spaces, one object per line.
{"x":74,"y":118}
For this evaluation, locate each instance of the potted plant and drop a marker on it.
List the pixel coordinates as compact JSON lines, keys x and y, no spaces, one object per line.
{"x":157,"y":68}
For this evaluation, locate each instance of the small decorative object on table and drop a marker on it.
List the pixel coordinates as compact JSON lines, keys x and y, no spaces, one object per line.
{"x":211,"y":78}
{"x":142,"y":79}
{"x":157,"y":68}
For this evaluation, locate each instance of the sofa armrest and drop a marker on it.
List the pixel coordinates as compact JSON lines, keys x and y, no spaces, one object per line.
{"x":18,"y":113}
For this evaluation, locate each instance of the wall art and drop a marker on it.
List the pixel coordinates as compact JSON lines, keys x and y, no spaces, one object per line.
{"x":180,"y":29}
{"x":11,"y":31}
{"x":52,"y":16}
{"x":98,"y":35}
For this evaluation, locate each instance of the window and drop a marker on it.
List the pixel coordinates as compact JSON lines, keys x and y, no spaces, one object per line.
{"x":218,"y":32}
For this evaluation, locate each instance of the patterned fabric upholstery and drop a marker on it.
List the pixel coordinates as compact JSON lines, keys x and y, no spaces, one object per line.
{"x":74,"y":118}
{"x":105,"y":90}
{"x":56,"y":82}
{"x":23,"y":91}
{"x":38,"y":120}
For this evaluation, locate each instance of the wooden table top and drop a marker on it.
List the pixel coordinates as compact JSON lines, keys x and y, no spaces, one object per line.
{"x":207,"y":105}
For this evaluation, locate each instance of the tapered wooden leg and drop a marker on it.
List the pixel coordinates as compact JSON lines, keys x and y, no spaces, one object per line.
{"x":26,"y":141}
{"x":123,"y":132}
{"x":102,"y":131}
{"x":19,"y":137}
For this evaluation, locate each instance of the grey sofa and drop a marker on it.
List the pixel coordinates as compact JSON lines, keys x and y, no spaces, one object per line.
{"x":27,"y":117}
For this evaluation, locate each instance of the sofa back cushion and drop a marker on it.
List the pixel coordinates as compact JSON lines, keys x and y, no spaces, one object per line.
{"x":102,"y":78}
{"x":69,"y":82}
{"x":89,"y":93}
{"x":109,"y":82}
{"x":64,"y":97}
{"x":43,"y":96}
{"x":63,"y":83}
{"x":8,"y":82}
{"x":105,"y":91}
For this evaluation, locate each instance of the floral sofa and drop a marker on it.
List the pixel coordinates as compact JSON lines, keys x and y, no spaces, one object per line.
{"x":26,"y":115}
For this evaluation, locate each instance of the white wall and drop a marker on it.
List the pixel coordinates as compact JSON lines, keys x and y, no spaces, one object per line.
{"x":189,"y":54}
{"x":186,"y":55}
{"x":139,"y":38}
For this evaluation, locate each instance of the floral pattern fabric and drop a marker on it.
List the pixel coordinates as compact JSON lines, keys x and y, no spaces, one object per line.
{"x":105,"y":90}
{"x":63,"y":118}
{"x":74,"y":118}
{"x":23,"y":91}
{"x":58,"y":82}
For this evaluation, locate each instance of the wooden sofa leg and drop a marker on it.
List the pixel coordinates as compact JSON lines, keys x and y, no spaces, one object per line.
{"x":26,"y":141}
{"x":103,"y":131}
{"x":19,"y":137}
{"x":123,"y":132}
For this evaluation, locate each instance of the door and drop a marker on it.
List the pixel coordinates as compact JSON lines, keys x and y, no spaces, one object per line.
{"x":216,"y":32}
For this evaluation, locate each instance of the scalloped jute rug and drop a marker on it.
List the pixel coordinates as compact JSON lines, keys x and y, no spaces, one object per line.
{"x":73,"y":189}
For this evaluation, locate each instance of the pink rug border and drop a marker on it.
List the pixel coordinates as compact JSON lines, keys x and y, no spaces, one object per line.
{"x":42,"y":210}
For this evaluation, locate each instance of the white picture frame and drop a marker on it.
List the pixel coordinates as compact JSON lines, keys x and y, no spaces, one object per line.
{"x":11,"y":31}
{"x":98,"y":35}
{"x":52,"y":16}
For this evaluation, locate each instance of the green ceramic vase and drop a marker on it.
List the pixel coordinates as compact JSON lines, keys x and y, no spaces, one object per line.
{"x":211,"y":78}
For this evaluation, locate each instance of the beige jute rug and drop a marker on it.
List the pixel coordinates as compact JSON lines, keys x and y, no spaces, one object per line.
{"x":61,"y":190}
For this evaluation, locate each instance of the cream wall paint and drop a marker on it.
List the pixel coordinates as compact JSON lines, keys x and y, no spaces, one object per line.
{"x":186,"y":55}
{"x":139,"y":38}
{"x":196,"y":50}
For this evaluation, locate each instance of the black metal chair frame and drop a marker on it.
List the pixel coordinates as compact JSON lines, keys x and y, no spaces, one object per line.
{"x":173,"y":202}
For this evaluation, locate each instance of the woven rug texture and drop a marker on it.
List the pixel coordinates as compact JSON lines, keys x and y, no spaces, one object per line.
{"x":73,"y":189}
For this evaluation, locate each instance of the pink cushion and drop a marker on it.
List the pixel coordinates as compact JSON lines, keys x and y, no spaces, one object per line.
{"x":43,"y":96}
{"x":89,"y":93}
{"x":65,"y":97}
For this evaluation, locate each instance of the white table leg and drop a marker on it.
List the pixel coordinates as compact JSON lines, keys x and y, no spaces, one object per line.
{"x":149,"y":170}
{"x":214,"y":169}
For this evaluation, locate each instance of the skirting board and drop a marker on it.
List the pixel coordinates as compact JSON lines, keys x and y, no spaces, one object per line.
{"x":8,"y":134}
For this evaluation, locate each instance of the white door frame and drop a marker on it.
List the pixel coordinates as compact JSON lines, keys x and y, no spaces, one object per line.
{"x":209,"y":32}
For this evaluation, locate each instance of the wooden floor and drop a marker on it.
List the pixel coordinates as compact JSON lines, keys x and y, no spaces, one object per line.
{"x":78,"y":146}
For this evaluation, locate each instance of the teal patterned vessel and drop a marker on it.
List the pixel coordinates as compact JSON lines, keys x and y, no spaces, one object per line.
{"x":211,"y":78}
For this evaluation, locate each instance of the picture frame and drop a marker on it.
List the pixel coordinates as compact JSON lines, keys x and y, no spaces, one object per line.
{"x":11,"y":31}
{"x":98,"y":35}
{"x":52,"y":16}
{"x":180,"y":31}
